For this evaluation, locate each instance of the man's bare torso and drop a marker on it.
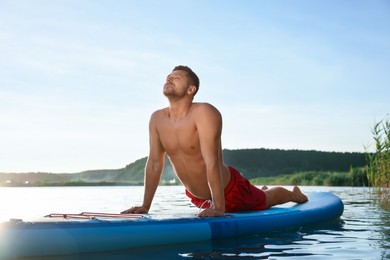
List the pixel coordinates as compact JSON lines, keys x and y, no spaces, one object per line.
{"x":180,"y":140}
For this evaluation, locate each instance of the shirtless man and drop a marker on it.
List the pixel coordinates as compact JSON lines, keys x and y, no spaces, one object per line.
{"x":190,"y":134}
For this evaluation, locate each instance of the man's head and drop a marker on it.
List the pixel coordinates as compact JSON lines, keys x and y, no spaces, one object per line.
{"x":192,"y":77}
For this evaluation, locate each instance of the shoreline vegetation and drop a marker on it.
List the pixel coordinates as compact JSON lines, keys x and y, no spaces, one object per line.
{"x":354,"y":178}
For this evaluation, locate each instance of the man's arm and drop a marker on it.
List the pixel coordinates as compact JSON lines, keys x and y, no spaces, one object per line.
{"x":153,"y":169}
{"x":209,"y":125}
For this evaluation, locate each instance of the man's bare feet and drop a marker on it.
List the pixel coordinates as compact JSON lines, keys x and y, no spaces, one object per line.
{"x":300,"y":197}
{"x":264,"y":187}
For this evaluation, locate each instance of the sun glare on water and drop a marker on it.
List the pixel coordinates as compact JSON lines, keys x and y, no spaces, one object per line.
{"x":16,"y":203}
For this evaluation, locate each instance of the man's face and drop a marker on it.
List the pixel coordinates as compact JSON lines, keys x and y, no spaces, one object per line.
{"x":176,"y":84}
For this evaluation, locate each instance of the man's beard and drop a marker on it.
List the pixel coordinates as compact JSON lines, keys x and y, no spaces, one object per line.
{"x":171,"y":92}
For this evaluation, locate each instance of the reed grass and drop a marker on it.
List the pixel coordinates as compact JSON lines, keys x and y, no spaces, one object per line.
{"x":378,"y":168}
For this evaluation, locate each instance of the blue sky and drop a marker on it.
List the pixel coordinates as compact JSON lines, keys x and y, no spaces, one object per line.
{"x":79,"y":79}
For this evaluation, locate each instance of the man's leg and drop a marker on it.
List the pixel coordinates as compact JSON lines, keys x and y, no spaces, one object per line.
{"x":280,"y":195}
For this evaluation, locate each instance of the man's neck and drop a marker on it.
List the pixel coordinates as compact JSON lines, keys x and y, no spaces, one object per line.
{"x":179,"y":109}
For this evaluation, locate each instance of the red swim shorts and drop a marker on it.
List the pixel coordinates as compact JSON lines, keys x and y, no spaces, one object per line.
{"x":240,"y":195}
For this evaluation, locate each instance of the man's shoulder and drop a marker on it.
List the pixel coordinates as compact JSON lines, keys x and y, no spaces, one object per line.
{"x":161,"y":110}
{"x":206,"y":107}
{"x":159,"y":113}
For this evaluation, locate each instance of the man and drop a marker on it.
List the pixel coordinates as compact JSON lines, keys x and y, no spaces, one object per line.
{"x":190,"y":134}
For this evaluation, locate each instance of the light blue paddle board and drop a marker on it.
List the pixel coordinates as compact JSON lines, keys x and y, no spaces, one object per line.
{"x":54,"y":236}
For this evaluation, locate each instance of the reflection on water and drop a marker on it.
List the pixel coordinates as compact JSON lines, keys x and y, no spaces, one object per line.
{"x":362,"y":233}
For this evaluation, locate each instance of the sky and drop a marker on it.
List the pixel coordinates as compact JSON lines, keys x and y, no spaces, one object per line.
{"x":80,"y":78}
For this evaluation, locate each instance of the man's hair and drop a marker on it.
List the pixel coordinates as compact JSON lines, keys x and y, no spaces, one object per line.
{"x":194,"y":80}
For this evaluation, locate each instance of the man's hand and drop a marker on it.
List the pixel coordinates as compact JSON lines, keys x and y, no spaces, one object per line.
{"x":211,"y":213}
{"x":136,"y":210}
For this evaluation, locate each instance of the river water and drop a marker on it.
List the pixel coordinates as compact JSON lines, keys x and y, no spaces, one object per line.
{"x":363,"y":232}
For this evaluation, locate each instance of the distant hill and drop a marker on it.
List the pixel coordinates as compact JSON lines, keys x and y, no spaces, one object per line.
{"x":132,"y":174}
{"x":252,"y":163}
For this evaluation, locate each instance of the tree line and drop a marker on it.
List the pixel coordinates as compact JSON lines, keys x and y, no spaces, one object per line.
{"x":252,"y":163}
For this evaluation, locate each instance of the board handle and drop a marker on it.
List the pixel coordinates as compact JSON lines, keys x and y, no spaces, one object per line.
{"x":92,"y":215}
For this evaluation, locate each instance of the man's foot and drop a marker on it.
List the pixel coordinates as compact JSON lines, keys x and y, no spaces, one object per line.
{"x":299,"y":196}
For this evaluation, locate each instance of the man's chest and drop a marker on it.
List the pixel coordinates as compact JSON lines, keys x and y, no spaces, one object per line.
{"x":179,"y":137}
